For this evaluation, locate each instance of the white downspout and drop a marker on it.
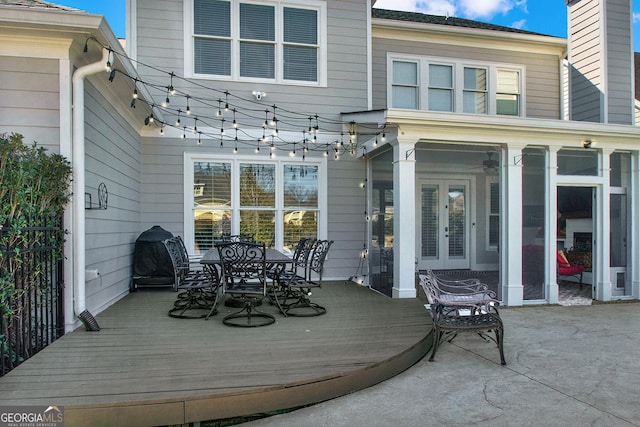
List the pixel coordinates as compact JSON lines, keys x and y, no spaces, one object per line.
{"x":78,"y":227}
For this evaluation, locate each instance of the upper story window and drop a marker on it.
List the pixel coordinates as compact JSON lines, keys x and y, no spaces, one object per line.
{"x":444,"y":85}
{"x":475,"y":90}
{"x":508,"y":93}
{"x":277,"y":41}
{"x":405,"y":84}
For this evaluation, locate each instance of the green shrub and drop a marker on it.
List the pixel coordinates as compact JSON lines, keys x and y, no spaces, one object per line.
{"x":34,"y":187}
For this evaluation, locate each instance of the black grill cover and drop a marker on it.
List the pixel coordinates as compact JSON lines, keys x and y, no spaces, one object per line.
{"x":150,"y":257}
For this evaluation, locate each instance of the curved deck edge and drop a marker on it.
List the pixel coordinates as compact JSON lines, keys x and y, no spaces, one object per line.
{"x":249,"y":402}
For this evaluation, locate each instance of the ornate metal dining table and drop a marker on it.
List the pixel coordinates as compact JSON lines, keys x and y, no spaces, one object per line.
{"x":276,"y":263}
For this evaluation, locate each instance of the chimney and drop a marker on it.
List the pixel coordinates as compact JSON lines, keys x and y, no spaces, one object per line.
{"x":601,"y":61}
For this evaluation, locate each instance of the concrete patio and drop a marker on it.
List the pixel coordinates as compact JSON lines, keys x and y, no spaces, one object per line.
{"x":566,"y":366}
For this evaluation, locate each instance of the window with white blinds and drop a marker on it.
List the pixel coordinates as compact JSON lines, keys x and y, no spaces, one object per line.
{"x":440,"y":87}
{"x":405,"y":85}
{"x":300,"y":47}
{"x":275,"y":202}
{"x":212,"y":41}
{"x":270,"y":40}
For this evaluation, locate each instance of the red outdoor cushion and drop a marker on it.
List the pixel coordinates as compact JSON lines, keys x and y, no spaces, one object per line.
{"x":565,"y":268}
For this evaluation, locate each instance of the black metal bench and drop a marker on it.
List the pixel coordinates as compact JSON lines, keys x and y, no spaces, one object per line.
{"x":462,"y":306}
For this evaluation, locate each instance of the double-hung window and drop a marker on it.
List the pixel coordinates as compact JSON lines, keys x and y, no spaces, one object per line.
{"x":444,"y":84}
{"x":277,"y":41}
{"x":508,"y":93}
{"x":474,"y":96}
{"x":440,"y":87}
{"x":275,"y":202}
{"x":405,"y":85}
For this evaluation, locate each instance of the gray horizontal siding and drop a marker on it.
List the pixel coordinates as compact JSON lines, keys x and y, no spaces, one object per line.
{"x":30,"y":100}
{"x":112,"y":152}
{"x":620,"y":66}
{"x":585,"y":56}
{"x":163,"y":199}
{"x":542,"y":71}
{"x":161,"y":42}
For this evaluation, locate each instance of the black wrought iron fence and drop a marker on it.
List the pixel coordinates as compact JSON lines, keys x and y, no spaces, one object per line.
{"x":32,"y":309}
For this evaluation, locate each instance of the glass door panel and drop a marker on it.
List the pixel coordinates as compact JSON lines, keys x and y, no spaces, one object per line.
{"x":443,"y":236}
{"x":456,"y":229}
{"x":430,"y":220}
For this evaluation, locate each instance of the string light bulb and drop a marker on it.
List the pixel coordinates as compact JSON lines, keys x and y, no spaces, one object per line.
{"x":108,"y":66}
{"x":170,"y":88}
{"x":219,"y":112}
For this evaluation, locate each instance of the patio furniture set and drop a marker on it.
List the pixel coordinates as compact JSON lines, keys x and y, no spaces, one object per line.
{"x":459,"y":306}
{"x":242,"y":273}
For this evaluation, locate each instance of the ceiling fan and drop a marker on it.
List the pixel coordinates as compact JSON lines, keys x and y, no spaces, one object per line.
{"x":490,"y":164}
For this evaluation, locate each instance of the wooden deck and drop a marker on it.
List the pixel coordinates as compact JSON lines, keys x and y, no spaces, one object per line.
{"x":146,"y":368}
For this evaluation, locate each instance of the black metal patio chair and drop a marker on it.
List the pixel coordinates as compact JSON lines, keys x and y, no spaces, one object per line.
{"x":197,"y":289}
{"x":244,"y":278}
{"x":300,"y":287}
{"x":296,"y":271}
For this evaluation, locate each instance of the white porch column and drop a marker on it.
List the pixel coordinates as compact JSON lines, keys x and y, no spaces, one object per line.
{"x":551,"y":221}
{"x":601,"y":254}
{"x":511,"y":247}
{"x":635,"y":225}
{"x":404,"y":223}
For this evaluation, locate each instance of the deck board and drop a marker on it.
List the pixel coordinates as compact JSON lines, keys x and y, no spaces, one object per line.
{"x":145,"y":365}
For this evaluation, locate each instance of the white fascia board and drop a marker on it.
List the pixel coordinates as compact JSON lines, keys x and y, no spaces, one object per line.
{"x":34,"y":47}
{"x":54,"y":20}
{"x":374,"y":116}
{"x":505,"y":130}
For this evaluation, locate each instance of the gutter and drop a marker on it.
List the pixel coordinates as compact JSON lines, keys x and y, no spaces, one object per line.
{"x":78,"y":187}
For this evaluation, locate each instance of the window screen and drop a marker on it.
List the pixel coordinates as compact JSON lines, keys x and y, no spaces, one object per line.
{"x":405,"y":85}
{"x":475,"y":90}
{"x":440,"y":87}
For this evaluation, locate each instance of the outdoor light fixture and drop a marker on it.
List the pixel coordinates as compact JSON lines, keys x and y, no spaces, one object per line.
{"x":258,"y":94}
{"x":587,"y":143}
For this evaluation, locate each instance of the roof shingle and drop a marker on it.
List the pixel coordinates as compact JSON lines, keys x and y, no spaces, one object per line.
{"x":37,"y":4}
{"x":397,"y":15}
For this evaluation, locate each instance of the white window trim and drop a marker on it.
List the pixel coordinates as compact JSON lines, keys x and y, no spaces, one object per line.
{"x":235,"y":160}
{"x":320,"y":6}
{"x":458,"y":78}
{"x":392,"y":84}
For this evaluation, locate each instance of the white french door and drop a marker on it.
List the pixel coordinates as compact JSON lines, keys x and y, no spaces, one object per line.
{"x":442,"y":224}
